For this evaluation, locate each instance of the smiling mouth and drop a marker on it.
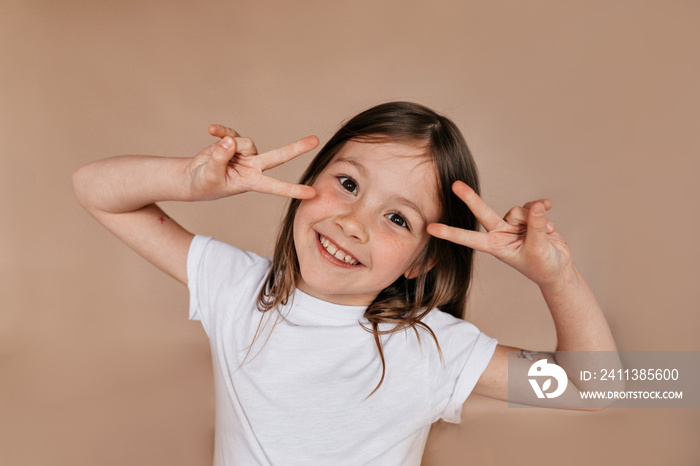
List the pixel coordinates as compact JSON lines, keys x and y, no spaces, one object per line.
{"x":336,"y":252}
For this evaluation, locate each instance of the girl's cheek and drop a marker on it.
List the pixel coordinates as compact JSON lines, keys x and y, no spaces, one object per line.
{"x":319,"y":203}
{"x":323,"y":191}
{"x":393,"y":243}
{"x":327,"y":197}
{"x":404,"y":247}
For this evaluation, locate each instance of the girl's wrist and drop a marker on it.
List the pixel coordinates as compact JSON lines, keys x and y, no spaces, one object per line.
{"x":184,"y":187}
{"x":564,"y":281}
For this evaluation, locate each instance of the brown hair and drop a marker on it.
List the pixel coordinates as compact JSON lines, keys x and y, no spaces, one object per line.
{"x":406,"y":301}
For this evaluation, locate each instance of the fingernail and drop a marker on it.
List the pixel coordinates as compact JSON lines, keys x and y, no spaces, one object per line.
{"x":538,"y":209}
{"x":550,"y":226}
{"x":227,"y":142}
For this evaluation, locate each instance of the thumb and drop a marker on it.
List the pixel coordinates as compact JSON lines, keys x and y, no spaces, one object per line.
{"x":223,"y":152}
{"x":536,"y":226}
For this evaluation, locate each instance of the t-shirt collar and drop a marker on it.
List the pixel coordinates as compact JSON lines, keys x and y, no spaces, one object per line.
{"x":325,"y":312}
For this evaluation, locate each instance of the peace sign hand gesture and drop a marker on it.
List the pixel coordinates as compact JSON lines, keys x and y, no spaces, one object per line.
{"x":233,"y":166}
{"x":524,"y":239}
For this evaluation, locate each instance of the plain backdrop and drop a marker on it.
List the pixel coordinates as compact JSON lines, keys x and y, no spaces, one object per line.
{"x":594,"y":104}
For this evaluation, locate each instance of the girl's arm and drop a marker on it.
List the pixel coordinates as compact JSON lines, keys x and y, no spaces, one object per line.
{"x":526,"y":240}
{"x":121,"y":192}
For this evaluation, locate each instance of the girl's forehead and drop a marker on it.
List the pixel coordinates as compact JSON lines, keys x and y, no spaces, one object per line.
{"x":387,"y":147}
{"x":405,"y":156}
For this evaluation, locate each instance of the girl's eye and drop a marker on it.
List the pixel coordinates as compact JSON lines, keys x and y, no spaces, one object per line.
{"x":348,"y":183}
{"x":398,"y":219}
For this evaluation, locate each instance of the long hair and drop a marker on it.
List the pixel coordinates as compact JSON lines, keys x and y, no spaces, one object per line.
{"x":449,"y":266}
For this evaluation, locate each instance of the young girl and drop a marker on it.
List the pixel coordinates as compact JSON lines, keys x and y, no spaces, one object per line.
{"x":348,"y":344}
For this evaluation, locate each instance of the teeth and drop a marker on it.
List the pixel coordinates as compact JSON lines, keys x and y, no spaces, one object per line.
{"x":337,"y":253}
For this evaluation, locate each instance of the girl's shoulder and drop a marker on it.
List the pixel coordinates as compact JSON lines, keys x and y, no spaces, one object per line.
{"x":213,"y":249}
{"x":454,"y":333}
{"x":213,"y":261}
{"x":442,"y":320}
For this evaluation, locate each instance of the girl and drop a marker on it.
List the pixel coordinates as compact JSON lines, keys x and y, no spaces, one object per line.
{"x":347,"y":345}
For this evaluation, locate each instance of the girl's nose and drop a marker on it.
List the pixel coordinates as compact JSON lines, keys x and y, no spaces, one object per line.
{"x":352,"y":225}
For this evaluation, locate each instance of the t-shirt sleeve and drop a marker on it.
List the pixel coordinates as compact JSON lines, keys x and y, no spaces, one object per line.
{"x":218,"y":276}
{"x":466,"y":352}
{"x":196,"y":272}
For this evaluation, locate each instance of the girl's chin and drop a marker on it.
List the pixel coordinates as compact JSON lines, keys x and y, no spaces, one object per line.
{"x":335,"y":295}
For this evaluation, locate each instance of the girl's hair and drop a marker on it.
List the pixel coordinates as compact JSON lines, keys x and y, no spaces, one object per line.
{"x":449,"y":266}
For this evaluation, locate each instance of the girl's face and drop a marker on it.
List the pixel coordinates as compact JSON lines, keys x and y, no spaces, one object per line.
{"x":367,"y":223}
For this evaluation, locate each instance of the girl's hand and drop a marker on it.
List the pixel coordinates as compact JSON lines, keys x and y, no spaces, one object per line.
{"x":233,"y":166}
{"x":524,"y":239}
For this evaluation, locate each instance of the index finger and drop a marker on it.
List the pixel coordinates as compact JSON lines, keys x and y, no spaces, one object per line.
{"x":275,"y":157}
{"x":483,"y":213}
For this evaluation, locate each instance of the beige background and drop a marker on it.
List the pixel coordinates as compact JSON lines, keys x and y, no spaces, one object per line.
{"x":594,"y":104}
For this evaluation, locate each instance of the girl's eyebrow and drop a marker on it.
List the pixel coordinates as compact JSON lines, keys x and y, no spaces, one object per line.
{"x":401,"y":200}
{"x":412,"y":205}
{"x":361,"y":168}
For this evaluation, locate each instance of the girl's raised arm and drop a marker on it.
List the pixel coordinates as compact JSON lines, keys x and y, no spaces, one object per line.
{"x":527,"y":241}
{"x":121,"y":192}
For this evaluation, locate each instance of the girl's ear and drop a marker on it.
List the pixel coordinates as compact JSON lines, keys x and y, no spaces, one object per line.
{"x":418,"y":270}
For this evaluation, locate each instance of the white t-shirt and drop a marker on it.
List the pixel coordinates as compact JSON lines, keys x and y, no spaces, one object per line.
{"x":301,"y":396}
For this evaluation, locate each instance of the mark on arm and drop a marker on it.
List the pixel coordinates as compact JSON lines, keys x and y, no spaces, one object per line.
{"x":524,"y":354}
{"x":162,"y":218}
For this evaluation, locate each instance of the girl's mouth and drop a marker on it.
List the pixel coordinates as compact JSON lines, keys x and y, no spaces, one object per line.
{"x":336,"y":252}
